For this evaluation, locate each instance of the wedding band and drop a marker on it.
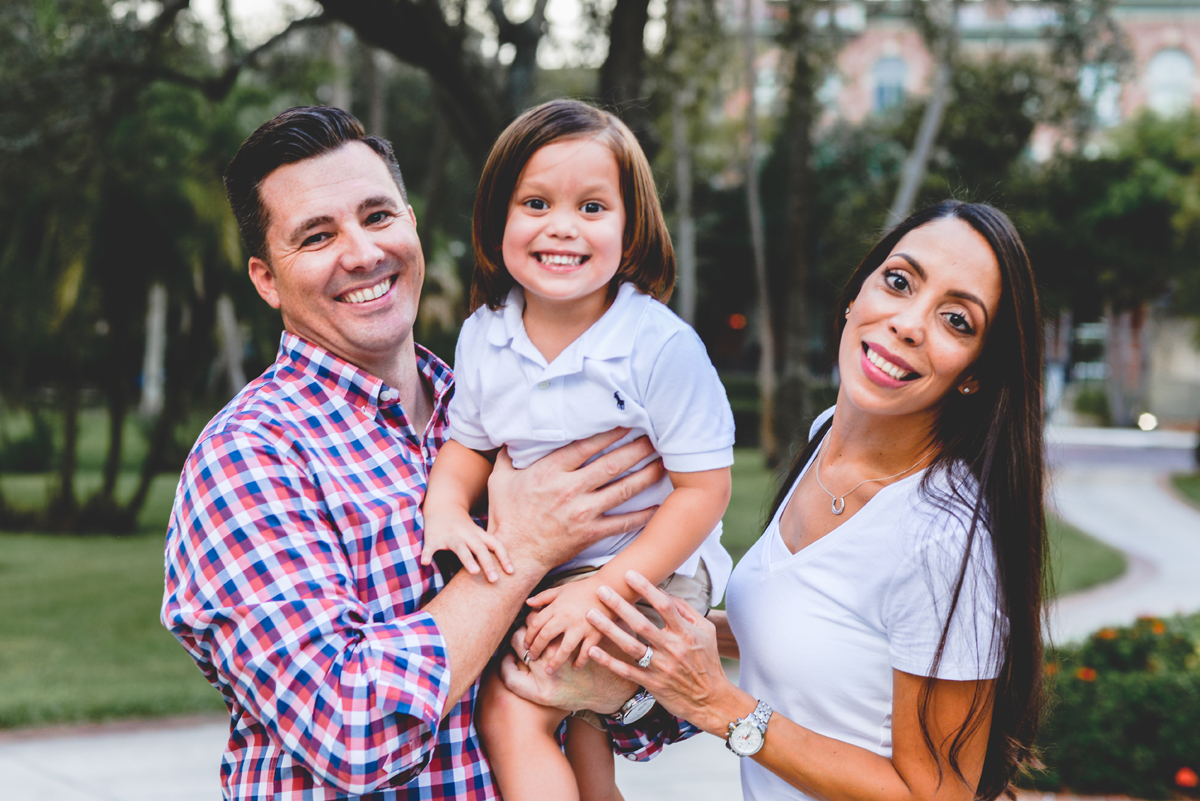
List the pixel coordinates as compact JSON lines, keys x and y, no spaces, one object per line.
{"x":644,"y":662}
{"x":525,"y":658}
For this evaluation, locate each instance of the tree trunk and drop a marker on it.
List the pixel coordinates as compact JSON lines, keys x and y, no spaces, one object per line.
{"x":624,"y":69}
{"x":685,"y":241}
{"x":435,"y":179}
{"x":377,"y":97}
{"x":65,"y":506}
{"x":794,"y":412}
{"x":231,"y":344}
{"x":339,"y":87}
{"x":153,"y":370}
{"x":942,"y":41}
{"x":758,"y":242}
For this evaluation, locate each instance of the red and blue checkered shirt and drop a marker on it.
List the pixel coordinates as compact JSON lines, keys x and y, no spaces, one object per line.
{"x":293,"y":579}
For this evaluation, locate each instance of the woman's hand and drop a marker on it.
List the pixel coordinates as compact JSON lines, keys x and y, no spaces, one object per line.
{"x":685,"y":673}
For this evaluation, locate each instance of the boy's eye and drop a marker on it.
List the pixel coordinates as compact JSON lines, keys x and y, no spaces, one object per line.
{"x":536,"y":204}
{"x":592,"y":207}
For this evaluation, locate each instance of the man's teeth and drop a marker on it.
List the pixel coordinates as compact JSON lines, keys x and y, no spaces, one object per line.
{"x":370,"y":293}
{"x":886,"y":366}
{"x":560,"y":261}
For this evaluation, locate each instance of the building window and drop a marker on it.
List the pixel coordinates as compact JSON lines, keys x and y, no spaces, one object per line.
{"x":1169,"y":78}
{"x":890,"y":74}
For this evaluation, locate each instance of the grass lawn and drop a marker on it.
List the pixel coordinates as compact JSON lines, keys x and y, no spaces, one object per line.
{"x":80,"y":638}
{"x":1188,"y":485}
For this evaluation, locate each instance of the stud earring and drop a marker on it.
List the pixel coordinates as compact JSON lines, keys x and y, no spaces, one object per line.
{"x":965,"y":390}
{"x":847,"y":311}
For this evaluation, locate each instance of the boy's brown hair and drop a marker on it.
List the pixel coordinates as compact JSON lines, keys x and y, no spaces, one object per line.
{"x":647,"y":257}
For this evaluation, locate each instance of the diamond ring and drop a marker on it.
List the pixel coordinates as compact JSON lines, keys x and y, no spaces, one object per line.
{"x":644,"y":662}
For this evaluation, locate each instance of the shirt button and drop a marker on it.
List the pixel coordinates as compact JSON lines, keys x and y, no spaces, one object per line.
{"x":388,"y":395}
{"x":544,"y":385}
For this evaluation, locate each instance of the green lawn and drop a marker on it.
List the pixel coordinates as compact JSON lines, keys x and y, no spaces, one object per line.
{"x":1077,"y":560}
{"x":1188,"y":485}
{"x":80,"y":638}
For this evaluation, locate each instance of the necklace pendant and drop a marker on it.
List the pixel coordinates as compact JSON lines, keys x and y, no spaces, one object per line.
{"x":839,"y":505}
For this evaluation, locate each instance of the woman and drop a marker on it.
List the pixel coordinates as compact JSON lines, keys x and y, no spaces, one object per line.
{"x":891,"y":613}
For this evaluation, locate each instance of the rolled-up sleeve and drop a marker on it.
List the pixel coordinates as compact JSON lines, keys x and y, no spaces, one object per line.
{"x":646,"y":739}
{"x":260,"y":591}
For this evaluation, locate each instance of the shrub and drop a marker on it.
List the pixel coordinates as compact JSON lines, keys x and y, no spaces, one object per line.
{"x":30,"y":452}
{"x":1125,"y":710}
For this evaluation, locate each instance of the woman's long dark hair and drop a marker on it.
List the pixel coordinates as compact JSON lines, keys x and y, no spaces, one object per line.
{"x":997,"y":434}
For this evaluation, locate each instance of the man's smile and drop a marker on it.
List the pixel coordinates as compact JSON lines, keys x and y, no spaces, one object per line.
{"x":370,"y":293}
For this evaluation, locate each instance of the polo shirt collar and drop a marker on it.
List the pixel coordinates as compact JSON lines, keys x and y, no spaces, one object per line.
{"x":610,"y":337}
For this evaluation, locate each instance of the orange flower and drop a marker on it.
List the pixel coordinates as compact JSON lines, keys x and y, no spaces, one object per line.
{"x":1086,"y":674}
{"x":1158,"y":628}
{"x":1107,"y":634}
{"x":1186,"y":777}
{"x":1051,"y":668}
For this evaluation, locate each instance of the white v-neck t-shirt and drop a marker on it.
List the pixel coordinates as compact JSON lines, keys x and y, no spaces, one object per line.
{"x":821,"y":630}
{"x":639,"y":366}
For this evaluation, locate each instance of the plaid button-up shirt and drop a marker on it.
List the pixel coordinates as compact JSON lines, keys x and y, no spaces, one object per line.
{"x":293,"y":579}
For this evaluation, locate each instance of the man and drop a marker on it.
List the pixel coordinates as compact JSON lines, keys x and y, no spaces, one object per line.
{"x":293,"y":573}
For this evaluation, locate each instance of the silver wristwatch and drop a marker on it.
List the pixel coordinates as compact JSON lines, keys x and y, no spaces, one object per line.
{"x":635,"y":708}
{"x":746,"y":734}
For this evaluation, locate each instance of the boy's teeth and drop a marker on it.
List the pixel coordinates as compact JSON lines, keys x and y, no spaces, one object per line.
{"x":886,"y":366}
{"x":561,"y":261}
{"x":370,"y":293}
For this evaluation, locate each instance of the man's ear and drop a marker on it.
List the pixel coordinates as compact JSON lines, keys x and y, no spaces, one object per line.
{"x":263,"y":279}
{"x":412,"y":215}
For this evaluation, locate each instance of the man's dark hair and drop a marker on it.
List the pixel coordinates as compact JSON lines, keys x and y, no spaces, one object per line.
{"x":294,"y":135}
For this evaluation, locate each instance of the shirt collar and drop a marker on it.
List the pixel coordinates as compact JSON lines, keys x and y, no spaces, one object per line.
{"x":352,"y":383}
{"x":610,"y":337}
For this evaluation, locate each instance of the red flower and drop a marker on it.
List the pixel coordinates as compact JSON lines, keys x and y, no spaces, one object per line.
{"x":1107,"y":634}
{"x":1186,"y":777}
{"x":1086,"y":674}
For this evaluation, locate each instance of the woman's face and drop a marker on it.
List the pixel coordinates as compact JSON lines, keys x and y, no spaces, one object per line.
{"x":920,"y":320}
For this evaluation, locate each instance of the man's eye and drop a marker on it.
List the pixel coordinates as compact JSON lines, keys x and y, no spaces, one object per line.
{"x":536,"y":204}
{"x":896,"y":281}
{"x":314,"y":239}
{"x":376,"y":217}
{"x":592,"y":208}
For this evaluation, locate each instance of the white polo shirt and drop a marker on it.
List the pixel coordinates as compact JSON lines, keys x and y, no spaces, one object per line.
{"x":639,"y":366}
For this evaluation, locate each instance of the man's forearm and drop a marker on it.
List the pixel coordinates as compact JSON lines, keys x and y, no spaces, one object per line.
{"x":473,"y":615}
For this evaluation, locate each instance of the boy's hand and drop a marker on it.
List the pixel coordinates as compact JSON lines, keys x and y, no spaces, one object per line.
{"x":563,"y":612}
{"x":473,"y":546}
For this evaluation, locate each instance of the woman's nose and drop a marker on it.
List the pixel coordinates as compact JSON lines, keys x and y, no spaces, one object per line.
{"x":909,"y":326}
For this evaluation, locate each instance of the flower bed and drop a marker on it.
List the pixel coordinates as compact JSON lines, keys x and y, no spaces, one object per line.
{"x":1125,"y":713}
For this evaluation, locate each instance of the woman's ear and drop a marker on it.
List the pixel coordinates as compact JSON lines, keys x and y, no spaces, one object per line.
{"x":969,"y":386}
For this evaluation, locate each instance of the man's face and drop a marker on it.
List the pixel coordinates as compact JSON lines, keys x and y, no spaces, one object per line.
{"x":345,"y":261}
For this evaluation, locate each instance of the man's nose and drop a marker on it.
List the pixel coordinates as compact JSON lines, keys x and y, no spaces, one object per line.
{"x":361,"y":251}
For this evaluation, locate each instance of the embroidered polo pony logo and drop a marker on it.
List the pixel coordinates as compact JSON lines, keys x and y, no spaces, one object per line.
{"x":620,"y":402}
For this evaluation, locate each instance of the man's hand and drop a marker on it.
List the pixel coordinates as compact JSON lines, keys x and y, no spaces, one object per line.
{"x":553,"y":509}
{"x":592,"y":687}
{"x":562,"y":612}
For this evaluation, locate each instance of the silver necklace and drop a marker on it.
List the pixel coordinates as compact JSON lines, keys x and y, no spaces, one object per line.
{"x":839,"y":502}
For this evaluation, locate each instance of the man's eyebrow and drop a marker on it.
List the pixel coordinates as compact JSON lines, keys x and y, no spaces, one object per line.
{"x":378,"y":202}
{"x":303,"y":228}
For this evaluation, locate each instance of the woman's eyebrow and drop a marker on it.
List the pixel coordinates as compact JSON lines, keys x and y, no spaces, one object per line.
{"x":916,"y":265}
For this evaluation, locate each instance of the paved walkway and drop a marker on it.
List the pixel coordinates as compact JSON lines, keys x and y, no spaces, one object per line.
{"x":1111,"y":487}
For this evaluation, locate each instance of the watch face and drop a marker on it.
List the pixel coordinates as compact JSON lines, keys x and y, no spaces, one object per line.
{"x":745,"y":739}
{"x":638,"y":707}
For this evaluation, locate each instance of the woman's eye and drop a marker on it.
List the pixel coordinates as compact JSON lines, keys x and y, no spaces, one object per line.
{"x":592,"y":208}
{"x":896,"y":281}
{"x":536,"y":204}
{"x":959,"y":323}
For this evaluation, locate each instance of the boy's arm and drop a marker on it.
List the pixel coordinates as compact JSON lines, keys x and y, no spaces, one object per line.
{"x":678,"y":528}
{"x":456,"y":483}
